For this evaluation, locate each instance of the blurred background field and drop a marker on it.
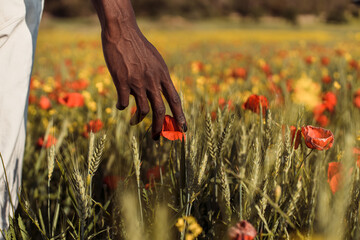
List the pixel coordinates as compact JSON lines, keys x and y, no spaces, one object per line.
{"x":235,"y":164}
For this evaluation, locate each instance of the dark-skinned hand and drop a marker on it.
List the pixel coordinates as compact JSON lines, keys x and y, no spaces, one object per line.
{"x":135,"y":65}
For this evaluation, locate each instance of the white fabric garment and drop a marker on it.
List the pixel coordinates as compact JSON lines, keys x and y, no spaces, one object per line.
{"x":19,"y":22}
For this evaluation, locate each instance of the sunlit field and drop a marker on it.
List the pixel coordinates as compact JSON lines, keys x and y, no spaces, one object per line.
{"x":273,"y":138}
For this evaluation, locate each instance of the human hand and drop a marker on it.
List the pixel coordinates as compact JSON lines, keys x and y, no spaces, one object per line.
{"x":138,"y":69}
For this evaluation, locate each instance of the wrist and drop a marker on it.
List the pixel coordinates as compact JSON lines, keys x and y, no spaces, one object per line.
{"x":115,"y":15}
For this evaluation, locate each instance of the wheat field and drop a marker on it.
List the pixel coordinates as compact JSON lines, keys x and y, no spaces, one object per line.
{"x":89,"y":175}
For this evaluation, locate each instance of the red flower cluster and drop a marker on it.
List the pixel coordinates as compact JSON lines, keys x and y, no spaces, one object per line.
{"x":329,"y":101}
{"x":243,"y":230}
{"x":50,"y":141}
{"x":253,"y":103}
{"x":77,"y":85}
{"x":72,"y":100}
{"x":356,"y":100}
{"x":92,"y":126}
{"x":171,"y":130}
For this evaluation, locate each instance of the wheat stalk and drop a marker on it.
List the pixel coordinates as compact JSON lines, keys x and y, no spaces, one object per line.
{"x":295,"y":199}
{"x":136,"y":157}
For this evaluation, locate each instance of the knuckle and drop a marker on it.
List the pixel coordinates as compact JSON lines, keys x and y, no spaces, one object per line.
{"x":175,"y":99}
{"x":160,"y":111}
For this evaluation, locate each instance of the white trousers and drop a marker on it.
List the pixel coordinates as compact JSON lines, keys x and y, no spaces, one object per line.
{"x":19,"y":22}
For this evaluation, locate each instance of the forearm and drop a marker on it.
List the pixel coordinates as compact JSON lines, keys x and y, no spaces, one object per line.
{"x":115,"y":15}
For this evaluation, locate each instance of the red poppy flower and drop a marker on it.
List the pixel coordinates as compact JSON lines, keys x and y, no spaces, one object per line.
{"x":72,"y":100}
{"x":322,"y":120}
{"x":213,"y":115}
{"x":68,"y":62}
{"x":101,"y":69}
{"x":239,"y":73}
{"x":77,"y":85}
{"x":215,"y":88}
{"x":44,"y":103}
{"x":294,"y":131}
{"x":319,"y":110}
{"x":50,"y":141}
{"x":356,"y":152}
{"x":339,"y":52}
{"x":223,"y":103}
{"x":353,"y":64}
{"x":325,"y":61}
{"x":243,"y":230}
{"x":253,"y":103}
{"x":32,"y":99}
{"x":32,"y":83}
{"x":154,"y":173}
{"x":289,"y":85}
{"x":334,"y":176}
{"x":317,"y":137}
{"x":171,"y":130}
{"x":197,"y":66}
{"x":150,"y":185}
{"x":266,"y":69}
{"x":111,"y":181}
{"x":356,"y":100}
{"x":329,"y":100}
{"x":326,"y":79}
{"x":309,"y":60}
{"x":92,"y":126}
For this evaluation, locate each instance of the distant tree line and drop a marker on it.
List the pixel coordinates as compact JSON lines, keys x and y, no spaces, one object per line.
{"x":332,"y":10}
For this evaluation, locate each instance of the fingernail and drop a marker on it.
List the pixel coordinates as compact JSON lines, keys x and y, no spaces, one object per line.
{"x":156,"y":137}
{"x":184,"y":127}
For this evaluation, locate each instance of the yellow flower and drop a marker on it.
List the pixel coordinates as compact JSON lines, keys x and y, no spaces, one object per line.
{"x":108,"y":110}
{"x":35,"y":83}
{"x":47,"y":88}
{"x":100,"y":87}
{"x":180,"y":224}
{"x":91,"y":105}
{"x":52,"y":112}
{"x":337,"y":85}
{"x":306,"y":92}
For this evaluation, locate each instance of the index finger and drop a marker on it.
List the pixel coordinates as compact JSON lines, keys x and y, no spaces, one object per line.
{"x":172,"y":97}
